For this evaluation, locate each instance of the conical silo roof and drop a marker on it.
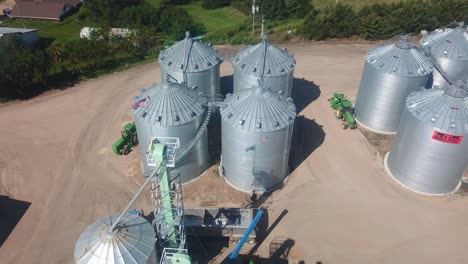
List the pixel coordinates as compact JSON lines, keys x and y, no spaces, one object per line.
{"x":402,"y":59}
{"x":264,"y":60}
{"x":258,"y":110}
{"x":445,"y":109}
{"x":132,"y":241}
{"x":450,"y":43}
{"x":170,"y":104}
{"x":189,"y":55}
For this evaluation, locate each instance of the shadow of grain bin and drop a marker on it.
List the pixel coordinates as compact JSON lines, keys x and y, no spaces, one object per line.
{"x":227,"y":85}
{"x":304,"y":92}
{"x":308,"y":135}
{"x":11,"y":212}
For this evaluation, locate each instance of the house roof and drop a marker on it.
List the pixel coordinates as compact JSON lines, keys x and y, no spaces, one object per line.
{"x":9,"y":30}
{"x":45,"y":9}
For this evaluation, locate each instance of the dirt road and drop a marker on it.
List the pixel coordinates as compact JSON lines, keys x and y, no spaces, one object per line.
{"x":55,"y":153}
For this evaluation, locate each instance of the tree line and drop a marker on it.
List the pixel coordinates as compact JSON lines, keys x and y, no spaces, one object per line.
{"x":382,"y":21}
{"x":26,"y":71}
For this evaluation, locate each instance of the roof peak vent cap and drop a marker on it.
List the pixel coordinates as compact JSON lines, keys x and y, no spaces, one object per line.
{"x":459,"y":90}
{"x":259,"y":90}
{"x":404,"y":43}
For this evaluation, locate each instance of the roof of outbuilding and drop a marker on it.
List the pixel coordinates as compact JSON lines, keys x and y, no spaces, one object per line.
{"x":9,"y":30}
{"x":45,"y":9}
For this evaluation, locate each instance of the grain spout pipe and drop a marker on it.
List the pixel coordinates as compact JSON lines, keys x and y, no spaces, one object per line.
{"x":137,"y":194}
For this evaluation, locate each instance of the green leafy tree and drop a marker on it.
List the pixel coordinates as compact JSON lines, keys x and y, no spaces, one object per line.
{"x":338,"y":21}
{"x":315,"y":27}
{"x":298,"y":8}
{"x":273,"y":9}
{"x":341,"y":20}
{"x":175,"y":21}
{"x":23,"y":69}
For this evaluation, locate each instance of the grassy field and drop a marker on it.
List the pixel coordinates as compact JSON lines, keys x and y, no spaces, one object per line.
{"x":221,"y":18}
{"x":60,"y":31}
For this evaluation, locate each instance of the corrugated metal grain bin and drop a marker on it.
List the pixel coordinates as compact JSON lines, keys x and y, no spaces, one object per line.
{"x":132,"y":241}
{"x":390,"y":74}
{"x":194,"y":63}
{"x":264,"y":64}
{"x":430,"y":152}
{"x":449,"y":47}
{"x":175,"y":111}
{"x":257,"y":127}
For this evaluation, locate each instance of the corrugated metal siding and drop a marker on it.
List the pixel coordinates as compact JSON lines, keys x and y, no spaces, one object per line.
{"x":390,"y":74}
{"x":417,"y":159}
{"x":256,"y":130}
{"x":173,"y":110}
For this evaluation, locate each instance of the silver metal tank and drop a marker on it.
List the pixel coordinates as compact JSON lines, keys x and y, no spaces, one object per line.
{"x":257,"y":127}
{"x":133,"y":241}
{"x":175,"y":111}
{"x":266,"y":62}
{"x":430,"y":152}
{"x":194,"y":63}
{"x":390,"y":74}
{"x":449,"y":47}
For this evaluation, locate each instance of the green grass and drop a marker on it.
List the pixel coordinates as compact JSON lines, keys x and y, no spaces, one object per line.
{"x":68,"y":29}
{"x":154,"y":3}
{"x":216,"y":19}
{"x":60,"y":31}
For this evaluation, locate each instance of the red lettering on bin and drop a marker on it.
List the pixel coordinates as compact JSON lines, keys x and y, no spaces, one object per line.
{"x":447,"y":138}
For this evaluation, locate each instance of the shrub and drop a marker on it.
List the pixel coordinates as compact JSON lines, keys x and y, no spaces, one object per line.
{"x":273,"y":9}
{"x":213,"y":4}
{"x":175,"y":21}
{"x":316,"y":28}
{"x":298,"y":8}
{"x":23,"y":69}
{"x":338,"y":21}
{"x":242,"y":6}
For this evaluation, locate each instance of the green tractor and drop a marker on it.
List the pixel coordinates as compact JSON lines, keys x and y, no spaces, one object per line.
{"x":129,"y":139}
{"x":343,"y":110}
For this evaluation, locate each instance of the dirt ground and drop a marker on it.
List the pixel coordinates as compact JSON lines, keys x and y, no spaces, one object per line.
{"x":337,"y":206}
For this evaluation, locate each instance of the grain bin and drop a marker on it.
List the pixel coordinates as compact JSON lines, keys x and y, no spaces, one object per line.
{"x":449,"y":47}
{"x":194,"y":63}
{"x":257,"y":127}
{"x":266,"y":62}
{"x":132,"y":241}
{"x":175,"y":111}
{"x":390,"y":74}
{"x":430,"y":152}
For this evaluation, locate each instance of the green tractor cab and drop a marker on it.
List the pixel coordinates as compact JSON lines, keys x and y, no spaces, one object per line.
{"x":344,"y":110}
{"x":128,"y":139}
